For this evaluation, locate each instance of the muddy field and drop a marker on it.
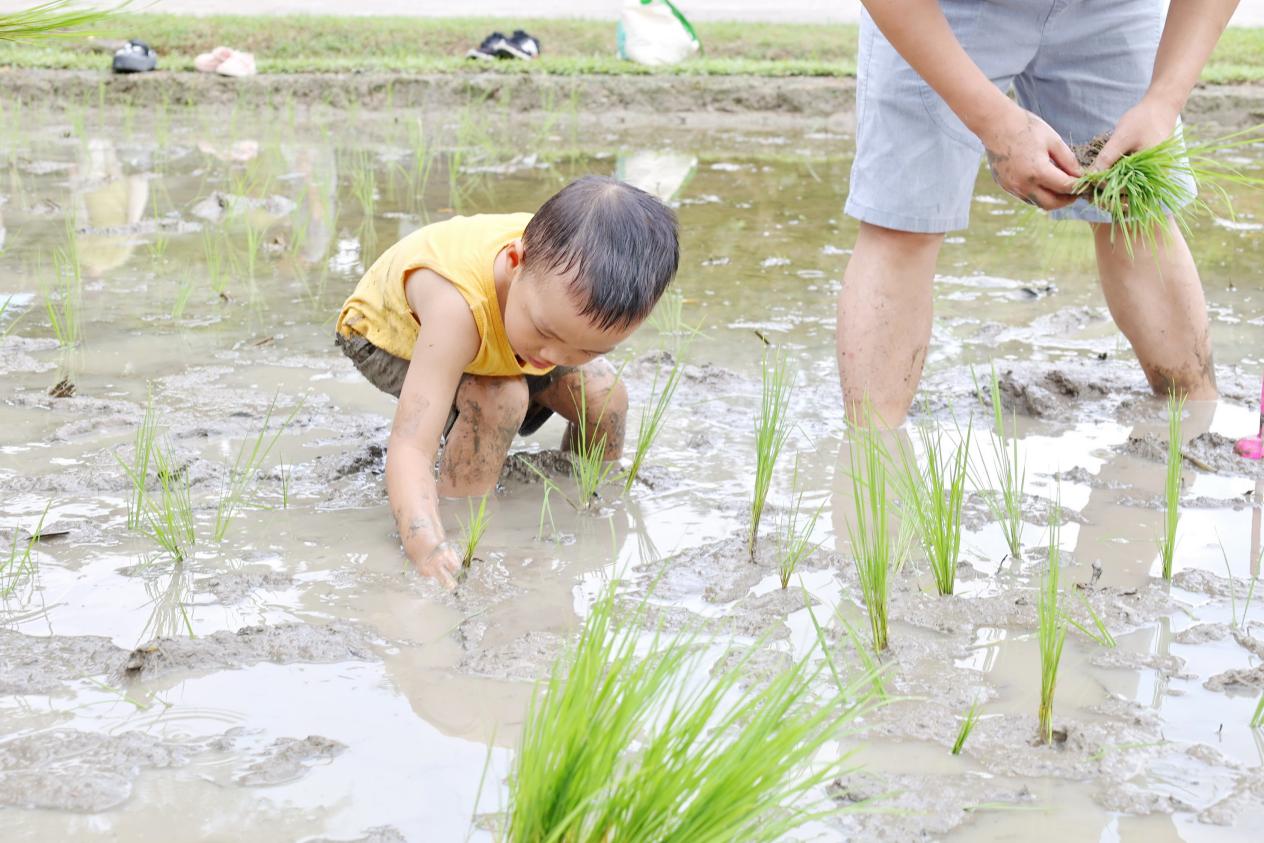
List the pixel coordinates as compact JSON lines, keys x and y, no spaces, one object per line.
{"x":292,"y":680}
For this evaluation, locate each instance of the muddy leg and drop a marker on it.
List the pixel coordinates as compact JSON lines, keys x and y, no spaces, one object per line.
{"x":490,"y":412}
{"x":605,"y":398}
{"x":884,"y":320}
{"x":1159,"y":306}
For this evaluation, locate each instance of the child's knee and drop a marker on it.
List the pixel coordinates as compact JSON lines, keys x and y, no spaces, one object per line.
{"x":494,"y":400}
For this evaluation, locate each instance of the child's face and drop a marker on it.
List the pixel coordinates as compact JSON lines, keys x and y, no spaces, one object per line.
{"x":545,"y":328}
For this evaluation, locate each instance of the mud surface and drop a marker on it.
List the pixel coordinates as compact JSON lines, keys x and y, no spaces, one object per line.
{"x":291,"y":673}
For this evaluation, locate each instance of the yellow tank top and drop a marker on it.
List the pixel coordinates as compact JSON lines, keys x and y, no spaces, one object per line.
{"x":463,"y":250}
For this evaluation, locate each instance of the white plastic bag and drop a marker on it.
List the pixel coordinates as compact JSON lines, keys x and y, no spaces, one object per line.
{"x":655,"y":32}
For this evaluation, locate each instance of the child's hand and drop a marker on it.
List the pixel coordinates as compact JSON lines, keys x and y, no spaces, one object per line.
{"x":443,"y":563}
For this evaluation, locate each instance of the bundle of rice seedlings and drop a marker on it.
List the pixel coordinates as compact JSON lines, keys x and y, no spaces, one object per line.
{"x":50,"y":19}
{"x":933,"y":499}
{"x":1142,"y":188}
{"x":627,"y":740}
{"x":872,"y":549}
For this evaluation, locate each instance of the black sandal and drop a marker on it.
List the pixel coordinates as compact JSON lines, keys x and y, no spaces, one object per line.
{"x":135,"y":57}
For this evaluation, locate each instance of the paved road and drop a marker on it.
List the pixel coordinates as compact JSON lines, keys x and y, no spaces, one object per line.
{"x":1250,"y":12}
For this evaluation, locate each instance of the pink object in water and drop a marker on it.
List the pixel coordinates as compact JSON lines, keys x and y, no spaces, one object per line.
{"x":1252,"y":447}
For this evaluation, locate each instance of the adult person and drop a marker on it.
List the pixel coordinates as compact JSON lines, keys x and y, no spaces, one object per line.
{"x":931,"y":98}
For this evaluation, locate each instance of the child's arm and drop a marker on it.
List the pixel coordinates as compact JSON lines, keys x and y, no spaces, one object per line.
{"x":446,"y":344}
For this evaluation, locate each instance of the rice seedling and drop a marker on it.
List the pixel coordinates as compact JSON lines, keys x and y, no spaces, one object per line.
{"x":871,"y":545}
{"x":13,"y":323}
{"x":213,"y":254}
{"x":652,"y":416}
{"x":51,"y":19}
{"x":20,"y":565}
{"x":772,"y":429}
{"x":65,"y":305}
{"x":872,"y":668}
{"x":1142,"y":188}
{"x":183,"y":293}
{"x":589,"y":466}
{"x":1099,"y":633}
{"x":1257,"y":719}
{"x":1172,"y":484}
{"x":1233,"y":589}
{"x":794,"y":534}
{"x":932,"y":498}
{"x":967,"y":726}
{"x":623,"y":742}
{"x":1052,"y":628}
{"x":473,"y":530}
{"x":240,"y":477}
{"x":169,"y":514}
{"x":1006,"y":482}
{"x":138,"y":471}
{"x":364,"y":183}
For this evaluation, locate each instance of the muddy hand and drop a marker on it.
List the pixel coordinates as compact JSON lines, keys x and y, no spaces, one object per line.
{"x":1030,"y":161}
{"x":443,"y":564}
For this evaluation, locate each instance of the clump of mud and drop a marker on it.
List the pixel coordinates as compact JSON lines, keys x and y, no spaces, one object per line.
{"x":32,"y":664}
{"x":287,"y":759}
{"x":233,"y":587}
{"x":280,"y":644}
{"x":1086,"y":153}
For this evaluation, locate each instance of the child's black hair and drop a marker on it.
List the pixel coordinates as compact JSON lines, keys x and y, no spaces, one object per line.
{"x":620,"y":242}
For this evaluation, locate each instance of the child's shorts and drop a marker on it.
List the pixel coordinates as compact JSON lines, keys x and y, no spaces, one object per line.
{"x":386,"y":371}
{"x":1078,"y":64}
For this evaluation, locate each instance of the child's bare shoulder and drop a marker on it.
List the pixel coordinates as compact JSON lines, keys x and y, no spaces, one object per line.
{"x":442,"y":312}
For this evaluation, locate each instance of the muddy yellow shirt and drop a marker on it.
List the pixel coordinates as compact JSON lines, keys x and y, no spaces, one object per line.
{"x":463,"y":250}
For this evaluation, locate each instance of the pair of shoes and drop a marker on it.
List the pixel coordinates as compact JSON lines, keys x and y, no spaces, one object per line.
{"x":226,"y":62}
{"x":135,"y":57}
{"x":520,"y":45}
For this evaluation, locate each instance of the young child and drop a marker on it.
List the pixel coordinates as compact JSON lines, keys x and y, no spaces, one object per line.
{"x":484,"y":326}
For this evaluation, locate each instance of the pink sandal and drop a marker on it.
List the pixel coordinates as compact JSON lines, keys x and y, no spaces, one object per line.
{"x":226,"y":62}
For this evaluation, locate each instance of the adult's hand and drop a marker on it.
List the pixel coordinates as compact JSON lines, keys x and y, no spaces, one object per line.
{"x":1029,"y":160}
{"x":1147,"y":123}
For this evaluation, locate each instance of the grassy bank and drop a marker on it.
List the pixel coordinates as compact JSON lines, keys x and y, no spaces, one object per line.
{"x":297,"y":44}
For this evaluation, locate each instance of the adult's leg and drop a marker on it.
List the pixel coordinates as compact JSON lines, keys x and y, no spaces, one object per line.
{"x":489,"y":411}
{"x":594,"y":394}
{"x":884,"y":321}
{"x":1156,"y":298}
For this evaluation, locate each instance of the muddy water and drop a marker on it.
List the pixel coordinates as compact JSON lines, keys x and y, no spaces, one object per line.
{"x":294,"y":681}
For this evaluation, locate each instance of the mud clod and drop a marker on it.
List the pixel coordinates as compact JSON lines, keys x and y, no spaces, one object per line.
{"x":281,"y":644}
{"x":288,"y":759}
{"x":31,"y":664}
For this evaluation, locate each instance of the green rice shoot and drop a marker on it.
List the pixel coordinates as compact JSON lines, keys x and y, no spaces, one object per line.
{"x":1233,"y":588}
{"x":772,"y":429}
{"x":872,"y":549}
{"x":1052,"y":631}
{"x":623,"y":742}
{"x":1099,"y":632}
{"x":64,"y":301}
{"x":589,"y":466}
{"x":169,"y":517}
{"x":20,"y":565}
{"x":1005,"y":484}
{"x":1142,"y":188}
{"x":967,"y":726}
{"x":794,"y":533}
{"x":1257,"y":719}
{"x":653,"y":414}
{"x":934,"y":498}
{"x":1172,"y":484}
{"x":473,"y":530}
{"x":138,"y":472}
{"x":240,"y":478}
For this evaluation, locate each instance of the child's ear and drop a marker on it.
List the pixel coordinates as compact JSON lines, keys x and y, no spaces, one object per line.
{"x":514,"y":252}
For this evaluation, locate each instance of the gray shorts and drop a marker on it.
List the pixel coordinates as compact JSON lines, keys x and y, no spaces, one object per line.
{"x":1078,"y":64}
{"x":386,"y":371}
